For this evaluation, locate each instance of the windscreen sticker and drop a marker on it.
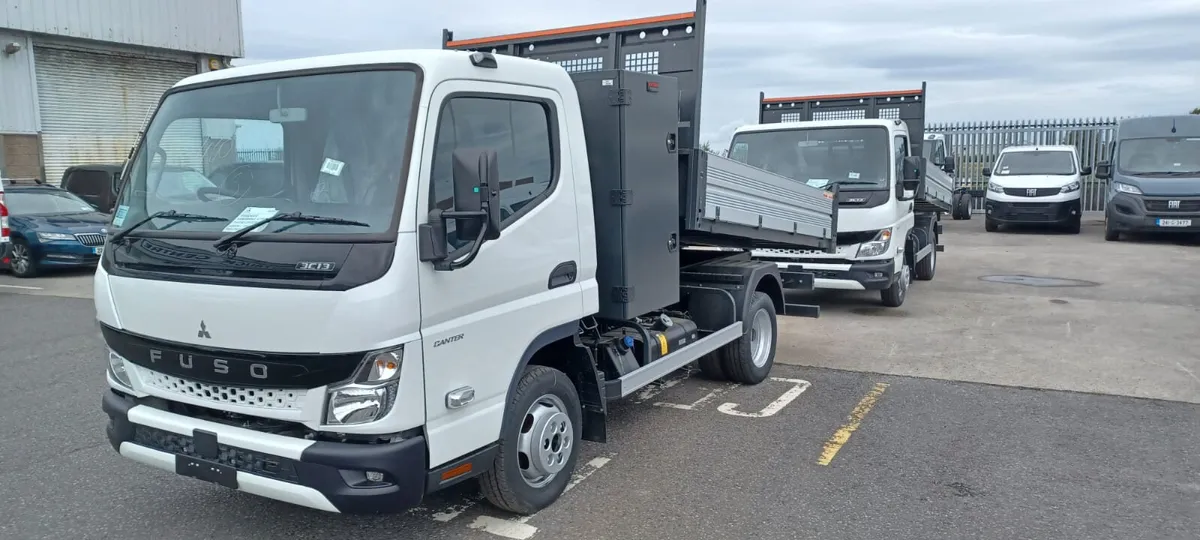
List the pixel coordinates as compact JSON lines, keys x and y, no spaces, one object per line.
{"x":818,"y":182}
{"x":119,"y":217}
{"x":332,"y":167}
{"x":248,"y":217}
{"x":852,"y":176}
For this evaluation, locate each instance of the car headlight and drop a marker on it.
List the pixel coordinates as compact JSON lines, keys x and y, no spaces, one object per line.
{"x":116,"y":368}
{"x":994,"y":187}
{"x":1073,"y":186}
{"x":877,"y":246}
{"x":53,"y":236}
{"x":369,"y":395}
{"x":1126,"y":188}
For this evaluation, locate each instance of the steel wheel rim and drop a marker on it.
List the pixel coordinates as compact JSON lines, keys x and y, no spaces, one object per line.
{"x":545,"y":442}
{"x":20,"y":258}
{"x":760,"y":338}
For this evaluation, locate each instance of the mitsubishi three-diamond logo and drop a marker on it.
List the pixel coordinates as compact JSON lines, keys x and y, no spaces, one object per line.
{"x":203,"y":333}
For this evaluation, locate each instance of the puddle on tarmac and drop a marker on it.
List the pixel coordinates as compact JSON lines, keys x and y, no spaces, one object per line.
{"x":1035,"y":281}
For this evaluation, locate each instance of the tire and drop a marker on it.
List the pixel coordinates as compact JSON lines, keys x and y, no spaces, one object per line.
{"x":20,"y":260}
{"x":710,"y":366}
{"x":546,"y":400}
{"x":748,"y":360}
{"x":926,"y":268}
{"x":1075,"y":225}
{"x":962,"y":206}
{"x":1110,"y":234}
{"x":894,"y":295}
{"x":990,"y":226}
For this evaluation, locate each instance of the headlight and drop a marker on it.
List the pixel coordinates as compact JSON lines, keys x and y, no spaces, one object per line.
{"x":53,"y":236}
{"x":1073,"y":186}
{"x":369,"y":395}
{"x":994,"y":187}
{"x":116,"y":367}
{"x":1126,"y":188}
{"x":877,"y":246}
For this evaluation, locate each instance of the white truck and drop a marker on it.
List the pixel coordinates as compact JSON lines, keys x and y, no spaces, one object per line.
{"x":867,"y":148}
{"x":462,"y":257}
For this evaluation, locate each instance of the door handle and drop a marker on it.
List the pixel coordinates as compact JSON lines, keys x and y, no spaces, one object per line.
{"x":563,"y":274}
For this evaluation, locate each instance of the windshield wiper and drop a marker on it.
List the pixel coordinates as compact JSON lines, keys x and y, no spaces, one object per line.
{"x":230,"y":238}
{"x":168,"y":214}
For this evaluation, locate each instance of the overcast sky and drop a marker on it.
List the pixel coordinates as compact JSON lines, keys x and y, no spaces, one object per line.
{"x":982,"y":59}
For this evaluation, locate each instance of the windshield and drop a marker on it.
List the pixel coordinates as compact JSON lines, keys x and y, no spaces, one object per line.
{"x":853,"y":157}
{"x":45,"y":201}
{"x":1025,"y":162}
{"x":1162,"y":155}
{"x":328,"y":144}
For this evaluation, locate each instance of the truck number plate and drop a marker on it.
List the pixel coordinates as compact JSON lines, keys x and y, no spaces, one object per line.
{"x":222,"y":475}
{"x":1174,"y":223}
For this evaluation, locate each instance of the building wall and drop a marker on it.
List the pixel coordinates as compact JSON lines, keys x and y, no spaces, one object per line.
{"x":197,"y":26}
{"x":18,"y":98}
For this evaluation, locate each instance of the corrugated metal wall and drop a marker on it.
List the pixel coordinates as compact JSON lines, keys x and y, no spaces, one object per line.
{"x":94,"y":104}
{"x":976,"y":145}
{"x":18,"y":110}
{"x":198,"y":26}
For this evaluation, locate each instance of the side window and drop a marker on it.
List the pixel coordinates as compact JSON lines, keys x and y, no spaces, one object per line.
{"x":901,"y":145}
{"x":87,"y":183}
{"x":519,"y":132}
{"x":939,"y":152}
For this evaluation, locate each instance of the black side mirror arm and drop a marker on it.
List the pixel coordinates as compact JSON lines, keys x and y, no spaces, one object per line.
{"x":433,"y":238}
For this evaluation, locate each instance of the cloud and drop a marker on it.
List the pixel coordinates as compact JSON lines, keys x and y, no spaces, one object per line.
{"x":982,"y":59}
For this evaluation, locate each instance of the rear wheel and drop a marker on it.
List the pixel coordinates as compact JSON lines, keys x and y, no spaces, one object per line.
{"x":928,"y":265}
{"x":749,"y":359}
{"x":539,"y":443}
{"x":21,"y":261}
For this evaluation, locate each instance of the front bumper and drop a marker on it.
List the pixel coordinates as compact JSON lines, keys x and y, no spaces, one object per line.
{"x":323,"y":475}
{"x":1032,"y":212}
{"x":845,"y":275}
{"x":1128,"y":213}
{"x":67,"y":253}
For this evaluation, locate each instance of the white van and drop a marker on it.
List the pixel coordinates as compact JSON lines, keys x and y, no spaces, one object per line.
{"x":1035,"y":185}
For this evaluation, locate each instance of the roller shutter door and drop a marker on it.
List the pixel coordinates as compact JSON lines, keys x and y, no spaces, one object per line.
{"x":93,"y":104}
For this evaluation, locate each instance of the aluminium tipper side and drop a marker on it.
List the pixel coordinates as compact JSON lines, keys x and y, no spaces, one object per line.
{"x":906,"y":105}
{"x":771,"y":210}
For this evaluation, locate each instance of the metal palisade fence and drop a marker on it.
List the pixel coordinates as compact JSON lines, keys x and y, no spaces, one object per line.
{"x":976,"y":145}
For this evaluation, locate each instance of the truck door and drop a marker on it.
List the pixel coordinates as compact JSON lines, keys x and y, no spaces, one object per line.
{"x":478,"y":321}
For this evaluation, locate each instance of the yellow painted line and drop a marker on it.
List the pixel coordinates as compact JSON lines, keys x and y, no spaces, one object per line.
{"x":842,"y":435}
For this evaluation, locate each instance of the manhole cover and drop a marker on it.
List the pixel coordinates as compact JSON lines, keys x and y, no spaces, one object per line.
{"x":1035,"y":281}
{"x":1057,"y":301}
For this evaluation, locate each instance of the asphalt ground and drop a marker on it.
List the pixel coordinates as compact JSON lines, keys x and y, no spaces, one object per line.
{"x":913,"y":435}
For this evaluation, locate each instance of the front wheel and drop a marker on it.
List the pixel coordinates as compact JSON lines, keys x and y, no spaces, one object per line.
{"x":21,"y":260}
{"x":539,"y":443}
{"x":990,"y":226}
{"x":894,"y":295}
{"x":1110,"y":234}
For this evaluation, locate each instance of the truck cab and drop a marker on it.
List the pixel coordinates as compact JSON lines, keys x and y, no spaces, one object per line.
{"x":1037,"y":184}
{"x":866,"y":148}
{"x":1153,"y":176}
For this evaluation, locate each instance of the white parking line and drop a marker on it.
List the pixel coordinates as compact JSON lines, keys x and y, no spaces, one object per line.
{"x":22,"y":287}
{"x":518,"y":528}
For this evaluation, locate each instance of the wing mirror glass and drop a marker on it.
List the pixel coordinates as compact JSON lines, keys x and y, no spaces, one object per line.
{"x":476,"y":177}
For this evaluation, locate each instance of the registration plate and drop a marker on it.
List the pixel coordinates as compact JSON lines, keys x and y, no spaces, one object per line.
{"x":98,"y":250}
{"x":1174,"y":223}
{"x":222,"y":475}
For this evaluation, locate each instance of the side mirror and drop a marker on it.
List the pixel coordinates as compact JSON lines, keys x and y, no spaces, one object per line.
{"x":948,"y":165}
{"x":913,"y":175}
{"x":987,"y":171}
{"x":476,"y":209}
{"x":1104,"y":170}
{"x":1085,"y":171}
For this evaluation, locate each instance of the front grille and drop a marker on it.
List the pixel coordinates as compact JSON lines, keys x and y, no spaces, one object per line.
{"x":290,"y":399}
{"x":90,"y":239}
{"x":270,"y":466}
{"x":1181,"y":205}
{"x":1031,"y":192}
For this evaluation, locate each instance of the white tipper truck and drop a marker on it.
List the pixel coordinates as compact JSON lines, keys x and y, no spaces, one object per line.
{"x":890,"y":201}
{"x":446,"y":266}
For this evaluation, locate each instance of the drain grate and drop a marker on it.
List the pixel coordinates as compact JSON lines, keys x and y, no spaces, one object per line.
{"x":1035,"y":281}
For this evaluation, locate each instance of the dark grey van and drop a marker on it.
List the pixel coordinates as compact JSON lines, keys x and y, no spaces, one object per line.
{"x":1153,"y":176}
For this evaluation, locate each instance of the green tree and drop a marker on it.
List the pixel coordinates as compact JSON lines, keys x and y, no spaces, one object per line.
{"x":1196,"y":110}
